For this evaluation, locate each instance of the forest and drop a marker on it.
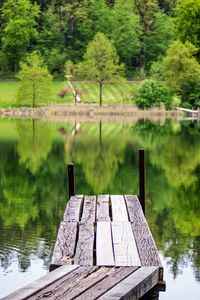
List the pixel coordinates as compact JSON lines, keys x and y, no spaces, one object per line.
{"x":154,"y":39}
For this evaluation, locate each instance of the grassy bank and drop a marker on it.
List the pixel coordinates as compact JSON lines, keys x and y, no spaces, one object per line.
{"x":113,"y":93}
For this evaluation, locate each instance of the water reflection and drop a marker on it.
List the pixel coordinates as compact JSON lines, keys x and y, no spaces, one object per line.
{"x":33,"y":184}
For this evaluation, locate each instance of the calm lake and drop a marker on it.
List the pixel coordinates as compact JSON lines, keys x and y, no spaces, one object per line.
{"x":33,"y":191}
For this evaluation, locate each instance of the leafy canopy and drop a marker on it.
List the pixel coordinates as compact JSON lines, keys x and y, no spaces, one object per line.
{"x":187,"y":16}
{"x":181,"y":70}
{"x":35,"y":81}
{"x":153,"y":93}
{"x":19,"y":21}
{"x":101,"y":62}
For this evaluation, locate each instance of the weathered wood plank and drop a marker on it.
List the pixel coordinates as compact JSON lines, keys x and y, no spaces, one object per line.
{"x":73,"y":209}
{"x":88,"y":282}
{"x":106,"y":284}
{"x":67,"y":284}
{"x":41,"y":283}
{"x":119,"y":211}
{"x":103,"y":208}
{"x":104,"y":247}
{"x":89,"y":209}
{"x":85,"y":245}
{"x":125,"y":249}
{"x":64,"y":249}
{"x":145,"y":243}
{"x":134,"y":286}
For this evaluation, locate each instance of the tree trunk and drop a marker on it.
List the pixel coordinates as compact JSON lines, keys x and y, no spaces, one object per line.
{"x":34,"y":96}
{"x":100,"y":92}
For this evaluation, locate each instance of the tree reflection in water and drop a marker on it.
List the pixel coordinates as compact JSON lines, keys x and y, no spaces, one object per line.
{"x":33,"y":182}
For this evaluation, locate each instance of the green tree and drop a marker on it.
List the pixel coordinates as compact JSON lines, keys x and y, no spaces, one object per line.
{"x":101,"y":62}
{"x":146,"y":10}
{"x":35,"y":81}
{"x":120,"y":24}
{"x":181,"y":70}
{"x":157,"y":40}
{"x":19,"y":27}
{"x":153,"y":93}
{"x":187,"y":15}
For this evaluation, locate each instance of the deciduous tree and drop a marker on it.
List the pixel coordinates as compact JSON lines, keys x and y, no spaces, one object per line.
{"x":35,"y":81}
{"x":180,"y":68}
{"x":187,"y":16}
{"x":101,"y":62}
{"x":19,"y":27}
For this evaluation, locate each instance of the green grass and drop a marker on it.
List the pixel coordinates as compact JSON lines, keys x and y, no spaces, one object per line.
{"x":113,"y":93}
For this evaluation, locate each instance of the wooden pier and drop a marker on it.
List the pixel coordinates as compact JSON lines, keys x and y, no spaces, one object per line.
{"x":104,"y":250}
{"x":195,"y":114}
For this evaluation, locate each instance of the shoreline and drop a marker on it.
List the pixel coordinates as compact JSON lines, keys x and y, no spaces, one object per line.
{"x":89,"y":112}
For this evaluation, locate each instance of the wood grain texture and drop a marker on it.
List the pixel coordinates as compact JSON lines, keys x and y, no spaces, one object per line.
{"x":125,"y":249}
{"x":145,"y":243}
{"x":119,"y":211}
{"x":103,"y":208}
{"x":106,"y":284}
{"x":41,"y":283}
{"x":88,"y":282}
{"x":64,"y":249}
{"x":85,"y":245}
{"x":134,"y":286}
{"x":73,"y":209}
{"x":89,"y":209}
{"x":66,"y":285}
{"x":104,"y":247}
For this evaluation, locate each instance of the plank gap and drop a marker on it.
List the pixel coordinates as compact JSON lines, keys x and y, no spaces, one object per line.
{"x":110,"y":209}
{"x":81,"y":208}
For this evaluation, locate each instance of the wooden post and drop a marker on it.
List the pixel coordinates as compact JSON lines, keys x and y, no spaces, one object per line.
{"x":142,"y":179}
{"x":71,"y":183}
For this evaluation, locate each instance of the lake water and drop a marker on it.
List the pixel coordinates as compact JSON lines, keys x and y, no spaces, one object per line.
{"x":33,"y":191}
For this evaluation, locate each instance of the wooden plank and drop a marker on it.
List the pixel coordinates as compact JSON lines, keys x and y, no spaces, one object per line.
{"x":145,"y":243}
{"x":64,"y":249}
{"x":85,"y":245}
{"x":125,"y":249}
{"x":89,"y":209}
{"x":66,"y":285}
{"x":106,"y":284}
{"x":73,"y":209}
{"x":134,"y":286}
{"x":86,"y":283}
{"x":103,"y":208}
{"x":41,"y":283}
{"x":119,"y":211}
{"x":104,"y":248}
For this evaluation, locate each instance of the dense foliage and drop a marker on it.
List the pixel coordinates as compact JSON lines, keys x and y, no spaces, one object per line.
{"x":61,"y":30}
{"x":181,"y":70}
{"x":153,"y":93}
{"x":141,"y":31}
{"x":34,"y":81}
{"x":101,"y":62}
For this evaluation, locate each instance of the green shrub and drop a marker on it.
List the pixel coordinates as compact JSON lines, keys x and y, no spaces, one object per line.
{"x":194,"y":97}
{"x":153,"y":93}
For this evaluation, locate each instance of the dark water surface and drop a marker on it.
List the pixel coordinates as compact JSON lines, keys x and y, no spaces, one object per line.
{"x":33,"y":191}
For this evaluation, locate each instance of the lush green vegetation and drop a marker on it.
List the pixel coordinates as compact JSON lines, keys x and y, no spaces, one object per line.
{"x":35,"y":81}
{"x":141,"y":32}
{"x":114,"y":93}
{"x":153,"y":93}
